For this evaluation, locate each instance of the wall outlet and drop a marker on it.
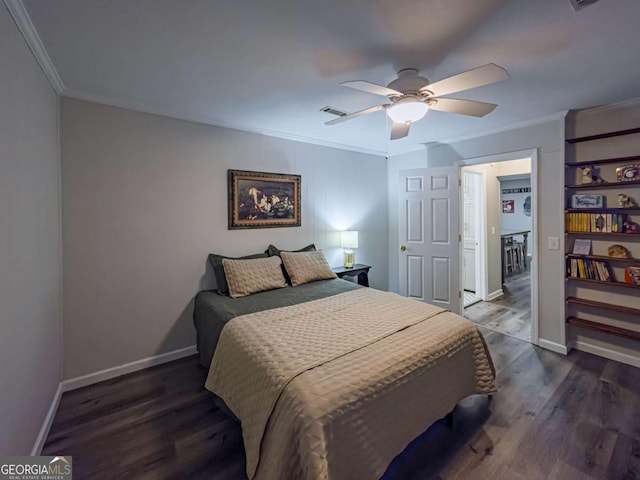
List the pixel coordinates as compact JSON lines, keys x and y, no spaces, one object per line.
{"x":554,"y":243}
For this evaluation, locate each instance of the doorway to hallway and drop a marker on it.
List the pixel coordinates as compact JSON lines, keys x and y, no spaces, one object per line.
{"x":496,"y":247}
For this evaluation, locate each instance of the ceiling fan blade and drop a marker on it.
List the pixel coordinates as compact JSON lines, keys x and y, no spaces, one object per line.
{"x":400,"y":130}
{"x":477,"y":77}
{"x":344,"y":118}
{"x":463,"y":107}
{"x":372,"y":88}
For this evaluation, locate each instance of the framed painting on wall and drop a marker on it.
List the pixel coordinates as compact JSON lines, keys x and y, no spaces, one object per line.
{"x":263,"y":200}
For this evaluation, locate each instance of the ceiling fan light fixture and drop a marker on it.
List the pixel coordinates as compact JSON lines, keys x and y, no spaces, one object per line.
{"x":407,"y":110}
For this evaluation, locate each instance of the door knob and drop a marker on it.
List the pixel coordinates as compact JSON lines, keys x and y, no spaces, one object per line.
{"x":403,"y":248}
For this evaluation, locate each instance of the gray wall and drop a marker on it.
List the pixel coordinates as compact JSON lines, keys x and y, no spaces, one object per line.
{"x":548,"y":139}
{"x":145,"y":201}
{"x":30,"y":275}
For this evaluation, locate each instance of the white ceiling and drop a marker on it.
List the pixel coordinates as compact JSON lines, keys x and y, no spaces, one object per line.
{"x":271,"y":65}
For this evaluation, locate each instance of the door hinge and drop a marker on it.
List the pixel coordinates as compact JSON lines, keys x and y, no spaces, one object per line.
{"x":459,"y":238}
{"x":459,"y":182}
{"x":459,"y":294}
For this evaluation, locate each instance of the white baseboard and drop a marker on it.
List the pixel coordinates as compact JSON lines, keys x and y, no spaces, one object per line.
{"x":46,"y":425}
{"x":553,"y":346}
{"x":494,"y":295}
{"x":606,"y":353}
{"x":113,"y":372}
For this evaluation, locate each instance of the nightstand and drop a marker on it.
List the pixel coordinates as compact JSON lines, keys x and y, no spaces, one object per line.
{"x":359,"y":270}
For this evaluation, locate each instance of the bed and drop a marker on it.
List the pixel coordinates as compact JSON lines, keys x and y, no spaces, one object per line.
{"x":333,"y":380}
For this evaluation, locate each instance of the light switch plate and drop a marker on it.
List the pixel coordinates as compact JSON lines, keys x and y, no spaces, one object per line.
{"x":554,"y":243}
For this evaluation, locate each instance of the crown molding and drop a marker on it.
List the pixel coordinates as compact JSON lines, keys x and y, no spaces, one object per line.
{"x":629,"y":103}
{"x":172,"y":113}
{"x":23,"y":22}
{"x":512,"y":126}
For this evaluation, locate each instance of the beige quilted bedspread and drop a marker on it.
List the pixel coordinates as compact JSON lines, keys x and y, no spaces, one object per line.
{"x":336,"y":388}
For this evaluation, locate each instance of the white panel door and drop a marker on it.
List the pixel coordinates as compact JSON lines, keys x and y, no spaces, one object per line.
{"x":428,"y":224}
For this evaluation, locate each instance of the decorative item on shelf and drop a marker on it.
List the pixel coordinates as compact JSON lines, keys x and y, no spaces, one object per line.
{"x":632,"y":275}
{"x":587,"y":201}
{"x":618,"y":251}
{"x":628,"y":173}
{"x":631,"y":227}
{"x":582,"y":246}
{"x":349,"y":241}
{"x":591,"y":175}
{"x":625,"y":201}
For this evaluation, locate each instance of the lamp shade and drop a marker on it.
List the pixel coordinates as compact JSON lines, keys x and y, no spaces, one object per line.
{"x":407,"y":110}
{"x":349,"y":239}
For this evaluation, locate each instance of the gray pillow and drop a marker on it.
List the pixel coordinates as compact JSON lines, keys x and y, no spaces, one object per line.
{"x":218,"y":269}
{"x":272,"y":250}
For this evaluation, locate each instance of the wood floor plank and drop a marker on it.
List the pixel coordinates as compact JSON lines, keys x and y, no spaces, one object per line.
{"x":625,"y":460}
{"x":590,"y":449}
{"x":562,"y":471}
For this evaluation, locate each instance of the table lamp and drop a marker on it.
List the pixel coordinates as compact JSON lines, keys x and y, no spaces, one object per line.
{"x":349,"y":241}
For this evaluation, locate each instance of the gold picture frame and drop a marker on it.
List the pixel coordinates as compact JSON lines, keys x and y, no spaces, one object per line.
{"x":263,"y":200}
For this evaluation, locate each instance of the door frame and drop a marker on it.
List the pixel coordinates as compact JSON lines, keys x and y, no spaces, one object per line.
{"x":482,"y":276}
{"x":532,"y":154}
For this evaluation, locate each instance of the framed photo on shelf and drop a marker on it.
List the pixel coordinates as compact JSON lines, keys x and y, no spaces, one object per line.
{"x":582,"y":246}
{"x":628,"y":173}
{"x":587,"y":201}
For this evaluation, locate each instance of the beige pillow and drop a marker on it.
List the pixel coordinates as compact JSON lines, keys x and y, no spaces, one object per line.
{"x":305,"y":267}
{"x":251,"y":276}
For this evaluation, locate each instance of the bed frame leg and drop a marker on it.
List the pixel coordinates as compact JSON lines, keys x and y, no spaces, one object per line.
{"x":449,"y":419}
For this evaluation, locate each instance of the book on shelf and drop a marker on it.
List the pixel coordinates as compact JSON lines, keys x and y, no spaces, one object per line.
{"x":589,"y":269}
{"x":595,"y":222}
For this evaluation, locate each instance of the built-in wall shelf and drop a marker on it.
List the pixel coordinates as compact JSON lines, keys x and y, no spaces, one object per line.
{"x":617,"y":133}
{"x":604,"y":185}
{"x":603,"y":161}
{"x":611,"y":284}
{"x":607,"y":234}
{"x":604,"y":306}
{"x":603,"y":327}
{"x":602,"y":210}
{"x":611,"y":307}
{"x":603,"y":257}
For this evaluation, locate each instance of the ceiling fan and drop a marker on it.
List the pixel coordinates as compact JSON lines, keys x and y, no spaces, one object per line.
{"x":411,"y":96}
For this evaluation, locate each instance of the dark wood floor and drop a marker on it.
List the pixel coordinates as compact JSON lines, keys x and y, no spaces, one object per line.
{"x":554,"y":417}
{"x":509,"y":314}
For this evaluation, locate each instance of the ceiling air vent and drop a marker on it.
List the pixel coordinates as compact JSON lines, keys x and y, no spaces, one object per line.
{"x":578,"y":4}
{"x":333,"y":111}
